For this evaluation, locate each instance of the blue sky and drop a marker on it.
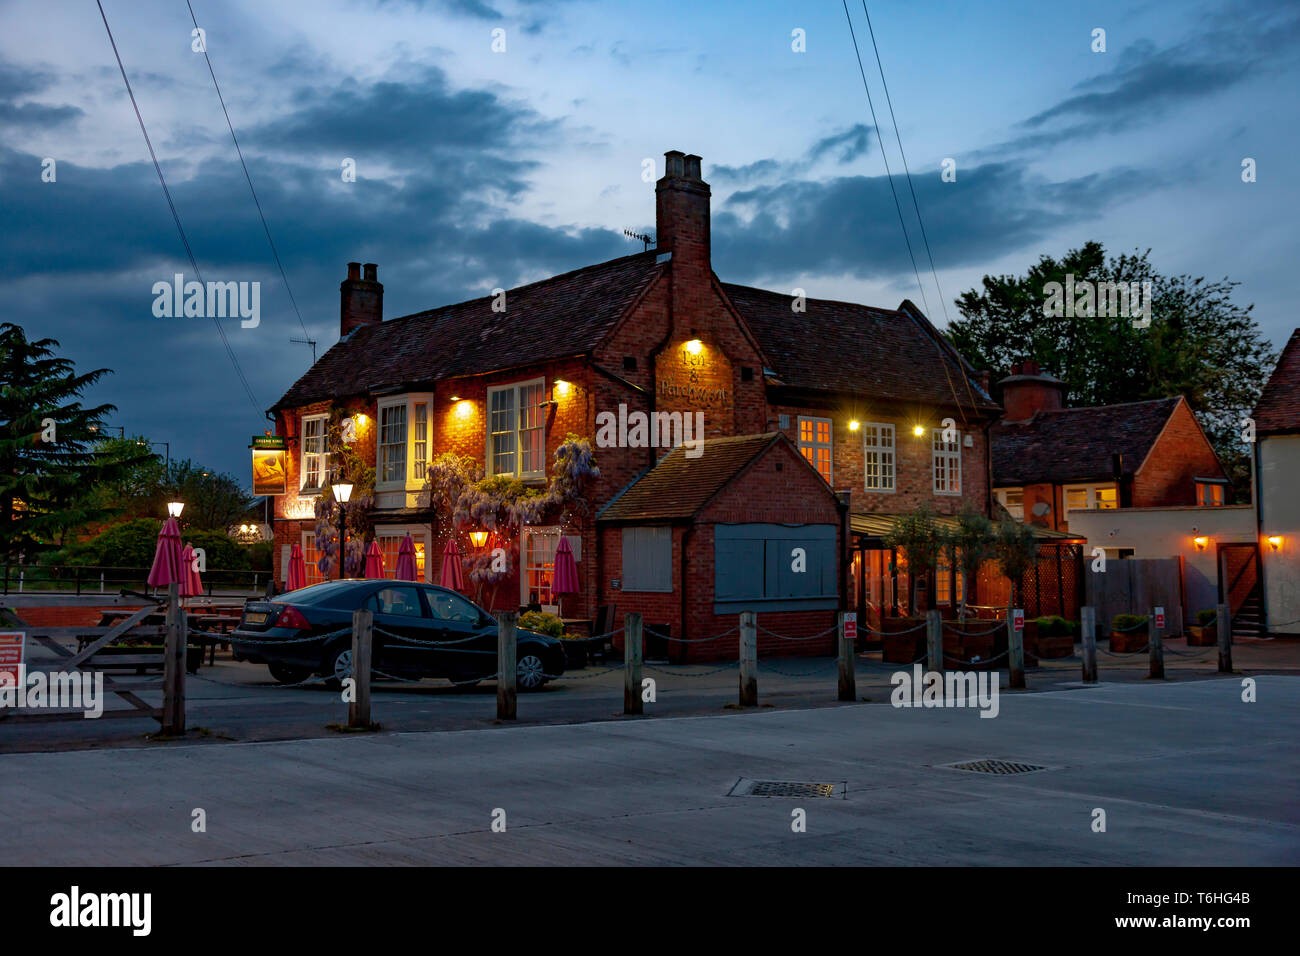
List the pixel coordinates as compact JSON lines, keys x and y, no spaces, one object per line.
{"x":478,"y":169}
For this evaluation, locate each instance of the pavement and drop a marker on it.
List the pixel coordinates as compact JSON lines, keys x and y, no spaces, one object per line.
{"x":1186,"y":773}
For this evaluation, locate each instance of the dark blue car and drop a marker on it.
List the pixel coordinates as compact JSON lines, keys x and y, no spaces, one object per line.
{"x":408,"y":617}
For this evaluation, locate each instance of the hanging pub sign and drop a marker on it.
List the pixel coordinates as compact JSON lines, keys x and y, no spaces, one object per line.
{"x":269,"y":474}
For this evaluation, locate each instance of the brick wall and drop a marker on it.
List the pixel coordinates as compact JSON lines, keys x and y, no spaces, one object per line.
{"x":1180,"y":455}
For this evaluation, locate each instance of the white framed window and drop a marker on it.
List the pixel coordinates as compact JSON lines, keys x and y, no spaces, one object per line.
{"x":1013,"y":499}
{"x":1084,"y":497}
{"x":310,"y":556}
{"x":314,"y":452}
{"x":391,"y":466}
{"x":815,"y":444}
{"x":648,"y":559}
{"x":390,"y":545}
{"x":537,"y":550}
{"x":402,"y":442}
{"x":516,"y":434}
{"x":1209,"y":494}
{"x":878,"y":458}
{"x":946,"y":456}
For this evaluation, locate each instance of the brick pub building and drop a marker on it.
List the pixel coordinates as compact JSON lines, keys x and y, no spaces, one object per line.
{"x":822,"y":420}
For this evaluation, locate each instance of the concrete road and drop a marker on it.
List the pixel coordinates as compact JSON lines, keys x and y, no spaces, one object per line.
{"x":1186,"y":773}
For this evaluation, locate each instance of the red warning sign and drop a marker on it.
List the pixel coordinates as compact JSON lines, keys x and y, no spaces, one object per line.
{"x":1160,"y":617}
{"x":11,"y":657}
{"x":1018,"y":618}
{"x":851,"y":626}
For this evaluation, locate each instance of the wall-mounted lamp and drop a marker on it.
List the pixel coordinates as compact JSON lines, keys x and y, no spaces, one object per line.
{"x":174,"y":508}
{"x":1275,"y":542}
{"x":454,"y":398}
{"x":694,"y":346}
{"x":854,"y":425}
{"x":918,"y":431}
{"x":478,"y":538}
{"x":560,"y":388}
{"x":1201,"y":542}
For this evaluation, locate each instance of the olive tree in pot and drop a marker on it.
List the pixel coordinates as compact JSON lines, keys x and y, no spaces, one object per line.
{"x":1016,"y":549}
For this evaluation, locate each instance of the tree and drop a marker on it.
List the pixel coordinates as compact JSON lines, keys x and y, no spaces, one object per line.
{"x":1200,"y":343}
{"x":1017,"y":550}
{"x":975,"y":543}
{"x":212,"y":501}
{"x":918,"y":535}
{"x":49,"y":464}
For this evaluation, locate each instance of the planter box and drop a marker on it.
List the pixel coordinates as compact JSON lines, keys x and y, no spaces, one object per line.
{"x":1127,"y":642}
{"x":896,"y":648}
{"x":1202,"y":636}
{"x":959,"y":648}
{"x":1059,"y":646}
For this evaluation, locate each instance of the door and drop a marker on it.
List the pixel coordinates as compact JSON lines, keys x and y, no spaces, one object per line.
{"x":399,"y":614}
{"x":471,"y":636}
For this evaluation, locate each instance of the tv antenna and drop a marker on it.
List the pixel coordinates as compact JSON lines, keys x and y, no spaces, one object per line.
{"x":638,"y":235}
{"x":311,"y":342}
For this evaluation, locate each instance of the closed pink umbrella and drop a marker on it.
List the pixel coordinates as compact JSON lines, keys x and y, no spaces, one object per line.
{"x":167,"y":557}
{"x":452,"y":576}
{"x":406,"y":560}
{"x":191,"y":583}
{"x":374,"y":561}
{"x":297,"y":569}
{"x":564,"y":580}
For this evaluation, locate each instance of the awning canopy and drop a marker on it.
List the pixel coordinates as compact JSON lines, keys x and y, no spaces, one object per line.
{"x":878,"y":526}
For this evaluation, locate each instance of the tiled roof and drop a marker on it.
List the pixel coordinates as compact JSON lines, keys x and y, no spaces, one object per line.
{"x":1076,"y":444}
{"x":881,"y":524}
{"x":842,"y":346}
{"x":1279,"y":405}
{"x":678,"y":486}
{"x":565,"y":315}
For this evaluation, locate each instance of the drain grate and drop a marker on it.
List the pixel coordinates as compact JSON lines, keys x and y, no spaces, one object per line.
{"x":781,"y":788}
{"x":994,"y":766}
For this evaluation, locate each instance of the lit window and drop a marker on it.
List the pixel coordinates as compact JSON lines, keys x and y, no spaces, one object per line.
{"x":538,"y":548}
{"x":878,"y":456}
{"x":1107,"y":499}
{"x":420,"y":440}
{"x":392,"y":443}
{"x":1083,"y":497}
{"x":946,"y":457}
{"x":815,"y":444}
{"x":310,"y":556}
{"x":1013,"y":499}
{"x":315,"y":458}
{"x":1076,"y":499}
{"x":516,"y":433}
{"x":390,"y":545}
{"x":1209,"y":495}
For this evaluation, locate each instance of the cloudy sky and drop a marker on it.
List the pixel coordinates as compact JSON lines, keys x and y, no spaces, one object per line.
{"x":478,"y":169}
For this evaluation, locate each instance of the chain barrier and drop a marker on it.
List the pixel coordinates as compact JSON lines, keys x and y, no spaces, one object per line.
{"x":1136,"y":627}
{"x":812,"y":637}
{"x":910,"y":630}
{"x":978,"y":660}
{"x":1124,"y":653}
{"x":691,"y":640}
{"x":997,"y":627}
{"x":607,"y":670}
{"x":834,"y":662}
{"x":240,"y":639}
{"x":716,"y":670}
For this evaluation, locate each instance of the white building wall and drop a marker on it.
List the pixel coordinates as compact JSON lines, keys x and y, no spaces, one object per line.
{"x":1279,"y":515}
{"x":1169,"y":533}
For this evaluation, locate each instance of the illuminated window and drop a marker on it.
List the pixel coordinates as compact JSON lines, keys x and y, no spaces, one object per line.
{"x":315,"y":458}
{"x":1076,"y":498}
{"x":420,"y":440}
{"x":815,"y":444}
{"x":538,"y":549}
{"x":516,"y":432}
{"x":1013,"y":499}
{"x":946,"y":458}
{"x":1107,"y":499}
{"x":1083,"y":497}
{"x":878,"y":462}
{"x":310,"y":556}
{"x":390,"y":545}
{"x":392,"y":443}
{"x":1209,"y":495}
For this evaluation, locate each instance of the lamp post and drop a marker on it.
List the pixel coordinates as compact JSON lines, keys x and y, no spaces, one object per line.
{"x":342,"y":492}
{"x":174,"y":508}
{"x":167,"y":447}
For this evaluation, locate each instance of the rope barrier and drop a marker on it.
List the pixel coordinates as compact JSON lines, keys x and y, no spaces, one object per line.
{"x":978,"y":660}
{"x":1124,"y":653}
{"x":993,"y":630}
{"x":812,"y":637}
{"x":715,"y":670}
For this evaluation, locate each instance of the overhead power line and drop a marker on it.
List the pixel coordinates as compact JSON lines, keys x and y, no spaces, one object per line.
{"x":249,"y":178}
{"x":898,"y":206}
{"x":172,"y":206}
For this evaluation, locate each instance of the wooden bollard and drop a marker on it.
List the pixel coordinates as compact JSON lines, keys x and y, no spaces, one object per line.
{"x":748,"y":659}
{"x":1156,"y":651}
{"x":363,"y":637}
{"x":632,"y":663}
{"x":507,"y":694}
{"x":173,"y":721}
{"x":1088,"y":627}
{"x":848,"y":641}
{"x":1016,"y":651}
{"x":1224,"y":624}
{"x":934,"y":640}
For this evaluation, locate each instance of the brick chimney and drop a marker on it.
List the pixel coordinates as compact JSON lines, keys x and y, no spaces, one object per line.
{"x":682,"y":221}
{"x":361,"y":300}
{"x":1027,"y":390}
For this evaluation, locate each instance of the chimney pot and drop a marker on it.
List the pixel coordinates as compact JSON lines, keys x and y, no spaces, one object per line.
{"x":354,"y":270}
{"x":674,"y":164}
{"x":371,"y":272}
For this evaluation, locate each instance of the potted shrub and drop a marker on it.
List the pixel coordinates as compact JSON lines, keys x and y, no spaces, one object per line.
{"x":1055,"y":636}
{"x":1203,"y":633}
{"x":1129,"y":633}
{"x":575,"y":649}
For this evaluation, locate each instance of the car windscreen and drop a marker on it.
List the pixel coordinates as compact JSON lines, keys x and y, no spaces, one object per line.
{"x":331,"y":593}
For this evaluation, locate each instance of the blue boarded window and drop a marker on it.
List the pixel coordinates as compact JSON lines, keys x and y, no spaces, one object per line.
{"x":774,"y":567}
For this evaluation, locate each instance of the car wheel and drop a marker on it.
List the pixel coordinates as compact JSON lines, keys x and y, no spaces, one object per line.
{"x":338,"y":665}
{"x":529,"y":672}
{"x":287,"y":674}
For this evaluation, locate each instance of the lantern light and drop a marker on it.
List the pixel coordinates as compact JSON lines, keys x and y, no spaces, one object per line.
{"x":695,"y":346}
{"x":1275,"y":542}
{"x":174,"y":508}
{"x":854,"y":425}
{"x":478,"y":538}
{"x":918,"y":430}
{"x":1201,"y":542}
{"x":342,"y":491}
{"x":561,"y":387}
